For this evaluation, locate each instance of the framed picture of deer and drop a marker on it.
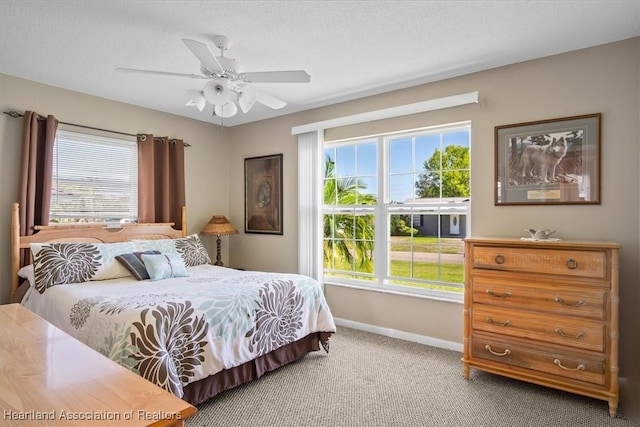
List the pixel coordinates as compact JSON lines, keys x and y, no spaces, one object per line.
{"x":548,"y":162}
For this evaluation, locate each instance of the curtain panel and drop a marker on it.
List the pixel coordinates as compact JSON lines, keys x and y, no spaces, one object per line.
{"x":161,"y":184}
{"x":310,"y":204}
{"x":36,"y":165}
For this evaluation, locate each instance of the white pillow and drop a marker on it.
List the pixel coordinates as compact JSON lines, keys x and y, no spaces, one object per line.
{"x":26,"y":272}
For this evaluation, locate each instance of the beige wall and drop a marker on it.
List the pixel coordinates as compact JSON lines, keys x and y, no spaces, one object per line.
{"x":206,"y":161}
{"x":603,"y":79}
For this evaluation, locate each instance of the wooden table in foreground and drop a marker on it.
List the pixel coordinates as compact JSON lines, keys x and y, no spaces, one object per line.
{"x":48,"y":377}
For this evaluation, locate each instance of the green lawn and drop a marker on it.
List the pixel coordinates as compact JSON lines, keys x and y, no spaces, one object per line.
{"x":426,"y":244}
{"x":453,"y":273}
{"x":422,"y":270}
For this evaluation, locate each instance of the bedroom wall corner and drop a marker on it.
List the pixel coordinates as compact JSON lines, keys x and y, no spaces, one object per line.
{"x":264,"y":252}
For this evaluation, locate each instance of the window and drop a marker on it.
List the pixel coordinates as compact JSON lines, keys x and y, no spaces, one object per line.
{"x":95,"y":179}
{"x":396,"y":208}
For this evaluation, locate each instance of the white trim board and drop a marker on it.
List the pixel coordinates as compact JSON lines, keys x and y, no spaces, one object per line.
{"x":406,"y":336}
{"x":386,"y":113}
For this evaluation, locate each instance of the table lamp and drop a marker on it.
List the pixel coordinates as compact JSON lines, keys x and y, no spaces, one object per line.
{"x":220,"y":226}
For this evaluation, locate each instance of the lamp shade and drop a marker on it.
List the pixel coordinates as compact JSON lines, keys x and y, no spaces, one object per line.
{"x":219,"y":225}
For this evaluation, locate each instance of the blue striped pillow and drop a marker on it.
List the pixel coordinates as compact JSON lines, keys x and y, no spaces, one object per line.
{"x":133,"y":263}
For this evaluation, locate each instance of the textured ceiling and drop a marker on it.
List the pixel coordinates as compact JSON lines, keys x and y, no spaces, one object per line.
{"x":351,"y":49}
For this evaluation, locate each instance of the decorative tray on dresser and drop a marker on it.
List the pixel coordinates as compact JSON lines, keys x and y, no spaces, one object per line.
{"x":544,"y":312}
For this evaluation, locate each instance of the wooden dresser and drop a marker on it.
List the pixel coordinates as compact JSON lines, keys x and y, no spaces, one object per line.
{"x":48,"y":378}
{"x":544,"y":312}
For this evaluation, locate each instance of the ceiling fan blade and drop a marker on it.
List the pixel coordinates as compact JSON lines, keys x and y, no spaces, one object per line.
{"x":291,"y":76}
{"x":205,"y":56}
{"x":197,"y":99}
{"x":161,"y":73}
{"x":270,"y":101}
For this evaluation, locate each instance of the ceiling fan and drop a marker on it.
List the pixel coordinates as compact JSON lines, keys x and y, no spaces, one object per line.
{"x":228,"y":83}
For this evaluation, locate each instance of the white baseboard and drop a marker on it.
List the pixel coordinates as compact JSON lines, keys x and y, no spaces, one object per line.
{"x":392,"y":333}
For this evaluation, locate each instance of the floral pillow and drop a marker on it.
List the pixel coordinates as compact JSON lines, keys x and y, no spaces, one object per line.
{"x":63,"y":263}
{"x":190,"y":249}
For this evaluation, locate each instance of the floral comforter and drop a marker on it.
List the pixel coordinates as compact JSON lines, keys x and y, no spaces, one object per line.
{"x":177,"y":331}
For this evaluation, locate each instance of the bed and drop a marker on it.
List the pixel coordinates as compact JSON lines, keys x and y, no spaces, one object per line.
{"x":147,"y":297}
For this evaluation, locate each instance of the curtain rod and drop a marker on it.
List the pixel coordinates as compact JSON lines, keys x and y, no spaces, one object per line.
{"x":16,"y":114}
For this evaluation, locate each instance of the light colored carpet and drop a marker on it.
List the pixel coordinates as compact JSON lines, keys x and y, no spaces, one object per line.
{"x":369,"y":380}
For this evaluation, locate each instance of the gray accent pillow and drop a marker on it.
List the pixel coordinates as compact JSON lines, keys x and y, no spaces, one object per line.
{"x":133,"y":263}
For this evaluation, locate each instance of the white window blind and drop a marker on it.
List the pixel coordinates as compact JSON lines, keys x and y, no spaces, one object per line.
{"x":95,"y":179}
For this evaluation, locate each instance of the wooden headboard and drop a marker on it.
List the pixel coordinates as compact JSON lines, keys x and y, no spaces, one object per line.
{"x":79,"y":233}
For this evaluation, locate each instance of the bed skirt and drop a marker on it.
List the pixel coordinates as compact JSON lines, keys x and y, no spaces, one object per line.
{"x":201,"y":390}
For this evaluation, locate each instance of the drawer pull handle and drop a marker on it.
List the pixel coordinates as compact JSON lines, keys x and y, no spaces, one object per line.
{"x":580,"y":367}
{"x":493,"y":322}
{"x":505,"y":295}
{"x":499,"y":259}
{"x":577,"y":337}
{"x":578,"y":304}
{"x":572,"y":264}
{"x":506,"y":352}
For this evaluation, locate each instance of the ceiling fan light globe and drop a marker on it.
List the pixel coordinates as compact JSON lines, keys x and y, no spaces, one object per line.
{"x":200,"y":103}
{"x":246,"y":100}
{"x":228,"y":109}
{"x":216,"y":92}
{"x":197,"y":99}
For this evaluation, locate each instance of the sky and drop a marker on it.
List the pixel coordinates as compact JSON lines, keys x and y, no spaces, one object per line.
{"x":407,"y":155}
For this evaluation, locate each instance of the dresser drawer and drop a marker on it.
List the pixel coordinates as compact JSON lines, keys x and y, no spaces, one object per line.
{"x":579,"y":301}
{"x":562,"y":330}
{"x":591,"y":264}
{"x":561,"y":363}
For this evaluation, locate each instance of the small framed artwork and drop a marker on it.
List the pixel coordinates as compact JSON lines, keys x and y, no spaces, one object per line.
{"x":263,"y":194}
{"x":548,"y":162}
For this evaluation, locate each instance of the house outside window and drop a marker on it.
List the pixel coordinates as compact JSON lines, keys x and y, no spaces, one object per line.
{"x":95,"y":179}
{"x":396,"y":211}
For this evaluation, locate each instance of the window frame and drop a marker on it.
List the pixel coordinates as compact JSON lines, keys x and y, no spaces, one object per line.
{"x":383,"y":210}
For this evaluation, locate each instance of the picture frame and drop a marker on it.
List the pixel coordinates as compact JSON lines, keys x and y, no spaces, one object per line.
{"x":548,"y":162}
{"x":263,"y":194}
